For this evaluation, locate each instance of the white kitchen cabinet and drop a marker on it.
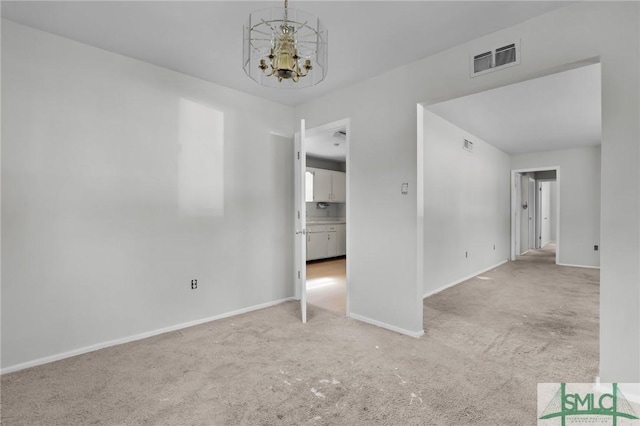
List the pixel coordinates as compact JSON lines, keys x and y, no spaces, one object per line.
{"x":325,"y":185}
{"x":321,"y":185}
{"x":341,"y":237}
{"x":338,"y":187}
{"x":317,"y":247}
{"x":332,"y":244}
{"x":325,"y":241}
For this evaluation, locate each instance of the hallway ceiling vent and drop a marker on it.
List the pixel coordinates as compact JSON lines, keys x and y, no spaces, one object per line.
{"x":503,"y":56}
{"x":468,"y":145}
{"x":340,"y":134}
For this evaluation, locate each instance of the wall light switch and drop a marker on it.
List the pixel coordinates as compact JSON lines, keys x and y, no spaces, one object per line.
{"x":405,"y":188}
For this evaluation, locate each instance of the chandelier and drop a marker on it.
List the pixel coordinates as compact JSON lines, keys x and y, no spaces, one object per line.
{"x":285,"y":48}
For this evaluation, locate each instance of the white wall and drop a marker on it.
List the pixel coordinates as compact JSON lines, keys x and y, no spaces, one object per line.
{"x":466,"y":204}
{"x":383,"y":152}
{"x":121,"y":182}
{"x":579,"y":187}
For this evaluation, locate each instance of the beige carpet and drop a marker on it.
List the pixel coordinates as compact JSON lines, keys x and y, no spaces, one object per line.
{"x":488,"y":342}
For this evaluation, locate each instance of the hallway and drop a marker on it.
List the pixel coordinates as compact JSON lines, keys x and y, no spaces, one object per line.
{"x":547,"y":254}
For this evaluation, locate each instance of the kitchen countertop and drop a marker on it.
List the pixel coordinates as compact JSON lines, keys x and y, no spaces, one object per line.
{"x":326,"y":221}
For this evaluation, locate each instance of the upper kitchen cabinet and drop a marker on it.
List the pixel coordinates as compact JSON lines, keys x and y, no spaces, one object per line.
{"x":325,"y":185}
{"x":339,"y":187}
{"x":321,"y":188}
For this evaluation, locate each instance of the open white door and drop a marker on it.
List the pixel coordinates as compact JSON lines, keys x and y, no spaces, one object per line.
{"x":300,"y":214}
{"x":531,"y":211}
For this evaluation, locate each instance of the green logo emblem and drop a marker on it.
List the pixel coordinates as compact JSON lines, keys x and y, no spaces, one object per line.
{"x":564,"y":405}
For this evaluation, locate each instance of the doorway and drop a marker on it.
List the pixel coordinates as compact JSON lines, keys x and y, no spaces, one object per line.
{"x":326,"y":201}
{"x":535,"y":213}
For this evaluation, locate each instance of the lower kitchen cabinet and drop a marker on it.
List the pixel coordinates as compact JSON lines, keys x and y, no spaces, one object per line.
{"x":316,"y":245}
{"x":332,"y":244}
{"x":341,"y":237}
{"x":325,"y":241}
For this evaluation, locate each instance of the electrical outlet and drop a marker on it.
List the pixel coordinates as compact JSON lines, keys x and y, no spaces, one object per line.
{"x":595,"y":248}
{"x":194,"y":284}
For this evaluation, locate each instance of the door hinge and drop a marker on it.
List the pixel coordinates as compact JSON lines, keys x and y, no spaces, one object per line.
{"x":298,"y":214}
{"x":298,"y":155}
{"x":298,"y":274}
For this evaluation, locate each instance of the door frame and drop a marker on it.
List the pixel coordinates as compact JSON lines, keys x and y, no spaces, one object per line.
{"x":299,"y":221}
{"x":324,"y":128}
{"x":516,"y":197}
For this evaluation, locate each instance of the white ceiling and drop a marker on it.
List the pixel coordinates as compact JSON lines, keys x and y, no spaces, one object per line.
{"x":558,"y":111}
{"x":327,"y":145}
{"x":204,"y":38}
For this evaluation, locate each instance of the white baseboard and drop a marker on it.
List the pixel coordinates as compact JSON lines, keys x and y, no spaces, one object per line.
{"x":102,"y":345}
{"x":578,"y":266}
{"x":468,"y":277}
{"x":385,"y":325}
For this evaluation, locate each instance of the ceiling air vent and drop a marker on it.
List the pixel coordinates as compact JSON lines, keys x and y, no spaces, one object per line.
{"x":468,"y":145}
{"x":482,"y":62}
{"x":505,"y":55}
{"x":491,"y":60}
